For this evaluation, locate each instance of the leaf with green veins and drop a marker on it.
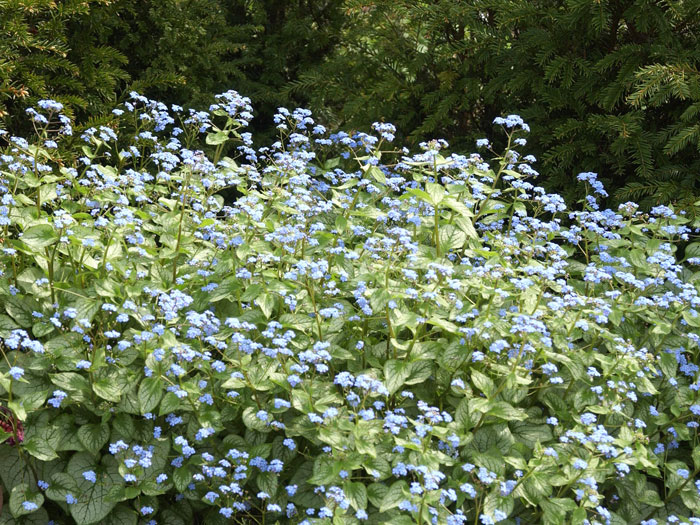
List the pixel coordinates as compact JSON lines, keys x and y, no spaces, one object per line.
{"x":39,"y":237}
{"x":396,"y":373}
{"x":436,"y":192}
{"x":24,"y":501}
{"x":398,"y":491}
{"x":376,"y":174}
{"x":357,"y":494}
{"x":93,"y":436}
{"x":92,"y":505}
{"x":418,"y":372}
{"x":451,"y":237}
{"x":214,"y":139}
{"x":149,"y":394}
{"x":20,"y":309}
{"x":482,"y":382}
{"x":422,"y":195}
{"x":267,"y":303}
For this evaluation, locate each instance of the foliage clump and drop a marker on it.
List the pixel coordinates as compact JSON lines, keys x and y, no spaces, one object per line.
{"x":363,"y":336}
{"x":611,"y":86}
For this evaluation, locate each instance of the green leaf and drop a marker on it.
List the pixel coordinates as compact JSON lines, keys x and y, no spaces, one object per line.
{"x":171,"y":403}
{"x":214,"y":139}
{"x":251,"y":421}
{"x":267,"y":482}
{"x":692,"y":250}
{"x":693,"y":319}
{"x":357,"y":494}
{"x":38,"y":517}
{"x":150,"y":394}
{"x":226,"y":290}
{"x":379,"y":299}
{"x":395,"y":374}
{"x":530,"y":434}
{"x":40,"y":236}
{"x":325,"y":470}
{"x":483,"y":382}
{"x":61,"y":485}
{"x":395,"y":495}
{"x":40,"y":449}
{"x":181,"y":478}
{"x":376,"y":493}
{"x":93,"y":436}
{"x":42,"y":329}
{"x":376,"y":174}
{"x":20,"y":309}
{"x":451,"y":237}
{"x":14,"y":469}
{"x":452,"y":356}
{"x":7,"y":324}
{"x":459,"y":207}
{"x":436,"y":192}
{"x":122,"y":515}
{"x":422,"y":195}
{"x":266,"y":302}
{"x":506,"y":411}
{"x":555,"y":509}
{"x":467,"y":226}
{"x":92,"y":505}
{"x":107,"y":389}
{"x":251,"y":292}
{"x":71,"y":382}
{"x":21,"y":493}
{"x":419,"y":371}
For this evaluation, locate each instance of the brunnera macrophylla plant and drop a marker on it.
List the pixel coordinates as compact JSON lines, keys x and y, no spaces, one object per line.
{"x":361,"y":336}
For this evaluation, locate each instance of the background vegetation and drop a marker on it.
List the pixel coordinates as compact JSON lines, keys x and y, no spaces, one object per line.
{"x":610,"y":86}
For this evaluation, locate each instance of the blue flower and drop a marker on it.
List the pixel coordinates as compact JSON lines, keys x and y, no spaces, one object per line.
{"x":29,"y":506}
{"x":588,"y":418}
{"x":57,"y":399}
{"x":580,"y":464}
{"x":16,"y":372}
{"x":90,"y":476}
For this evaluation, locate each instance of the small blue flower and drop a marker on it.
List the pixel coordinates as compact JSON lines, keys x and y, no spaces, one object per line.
{"x":90,"y":476}
{"x":16,"y":372}
{"x":588,"y":418}
{"x":580,"y":464}
{"x":58,"y":397}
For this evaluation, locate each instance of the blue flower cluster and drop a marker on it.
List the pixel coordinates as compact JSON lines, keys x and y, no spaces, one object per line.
{"x":362,"y":334}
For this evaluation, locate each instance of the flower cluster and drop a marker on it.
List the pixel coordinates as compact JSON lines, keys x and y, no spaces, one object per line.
{"x":358,"y":335}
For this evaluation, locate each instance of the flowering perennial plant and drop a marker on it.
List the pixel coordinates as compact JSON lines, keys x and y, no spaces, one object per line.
{"x":361,"y":336}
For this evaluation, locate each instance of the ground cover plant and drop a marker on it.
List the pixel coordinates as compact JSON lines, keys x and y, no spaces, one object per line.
{"x":361,"y":336}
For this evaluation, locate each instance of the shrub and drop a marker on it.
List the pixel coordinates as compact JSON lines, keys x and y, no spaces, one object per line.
{"x":40,"y":59}
{"x":88,"y":54}
{"x":612,"y":87}
{"x":363,"y":336}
